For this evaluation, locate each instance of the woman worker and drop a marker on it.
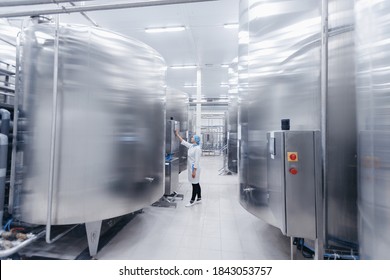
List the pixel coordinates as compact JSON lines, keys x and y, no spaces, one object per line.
{"x":193,"y":166}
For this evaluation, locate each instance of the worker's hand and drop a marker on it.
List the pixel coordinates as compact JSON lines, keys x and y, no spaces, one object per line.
{"x":193,"y":174}
{"x":176,"y":132}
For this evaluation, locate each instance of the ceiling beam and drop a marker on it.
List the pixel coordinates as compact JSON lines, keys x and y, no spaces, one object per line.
{"x":13,"y":3}
{"x":99,"y":7}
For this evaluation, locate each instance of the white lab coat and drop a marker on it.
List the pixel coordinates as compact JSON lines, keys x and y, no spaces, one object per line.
{"x":193,"y":161}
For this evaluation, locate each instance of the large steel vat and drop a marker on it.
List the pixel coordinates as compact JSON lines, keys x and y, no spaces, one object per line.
{"x":373,"y":112}
{"x":109,"y":126}
{"x":294,"y":64}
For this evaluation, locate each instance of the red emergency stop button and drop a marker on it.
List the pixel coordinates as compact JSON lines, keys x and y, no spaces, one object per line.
{"x":293,"y":171}
{"x":292,"y":156}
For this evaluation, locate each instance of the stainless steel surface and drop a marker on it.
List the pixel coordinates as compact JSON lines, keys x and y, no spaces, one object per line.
{"x":93,"y":233}
{"x":341,"y":146}
{"x":110,"y":125}
{"x":172,"y":157}
{"x":301,"y":188}
{"x":172,"y":143}
{"x":177,"y":107}
{"x":171,"y":176}
{"x":276,"y":196}
{"x":324,"y":94}
{"x":292,"y":197}
{"x":373,"y":111}
{"x":98,"y":7}
{"x":280,"y":77}
{"x":53,"y":130}
{"x":232,"y":125}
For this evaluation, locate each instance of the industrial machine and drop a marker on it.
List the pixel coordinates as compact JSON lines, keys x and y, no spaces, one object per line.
{"x":175,"y":154}
{"x":172,"y":164}
{"x":294,"y":181}
{"x":296,"y":62}
{"x":90,"y":123}
{"x":373,"y":111}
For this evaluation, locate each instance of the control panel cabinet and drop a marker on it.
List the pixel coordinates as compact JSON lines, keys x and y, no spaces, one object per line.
{"x":294,"y":181}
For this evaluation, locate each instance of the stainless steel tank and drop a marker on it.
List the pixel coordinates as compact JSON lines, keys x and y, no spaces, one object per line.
{"x":280,"y":67}
{"x":177,"y":106}
{"x":110,"y":125}
{"x":373,"y":111}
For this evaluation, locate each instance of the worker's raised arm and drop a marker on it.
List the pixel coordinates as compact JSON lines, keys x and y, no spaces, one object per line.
{"x":178,"y":136}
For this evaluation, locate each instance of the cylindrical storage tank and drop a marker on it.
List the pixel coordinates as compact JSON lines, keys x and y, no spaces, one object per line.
{"x":232,"y":124}
{"x":177,"y":107}
{"x":373,"y":111}
{"x":109,"y":125}
{"x":289,"y":68}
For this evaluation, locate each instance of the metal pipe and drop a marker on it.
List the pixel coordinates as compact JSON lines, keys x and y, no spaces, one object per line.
{"x":3,"y":172}
{"x":59,"y":235}
{"x":13,"y":250}
{"x":15,"y":127}
{"x":53,"y":133}
{"x":198,"y":99}
{"x":321,"y":217}
{"x":86,"y":16}
{"x":124,"y":5}
{"x":13,"y":3}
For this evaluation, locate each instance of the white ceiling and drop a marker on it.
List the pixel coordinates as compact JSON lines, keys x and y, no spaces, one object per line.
{"x":205,"y":41}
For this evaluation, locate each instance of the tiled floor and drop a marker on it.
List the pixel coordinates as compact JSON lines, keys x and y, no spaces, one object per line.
{"x":219,"y":228}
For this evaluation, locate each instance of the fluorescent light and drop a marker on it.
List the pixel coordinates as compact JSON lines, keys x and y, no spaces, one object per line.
{"x":224,"y":85}
{"x":183,"y":66}
{"x":224,"y":65}
{"x":230,"y":25}
{"x":165,"y":29}
{"x":188,"y":86}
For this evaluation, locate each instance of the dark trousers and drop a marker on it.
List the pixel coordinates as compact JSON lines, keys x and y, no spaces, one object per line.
{"x":196,"y":191}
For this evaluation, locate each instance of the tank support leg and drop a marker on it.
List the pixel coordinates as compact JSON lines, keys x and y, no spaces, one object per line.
{"x":93,"y":234}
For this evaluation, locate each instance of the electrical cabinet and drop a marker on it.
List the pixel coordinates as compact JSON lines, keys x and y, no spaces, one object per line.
{"x":294,"y":181}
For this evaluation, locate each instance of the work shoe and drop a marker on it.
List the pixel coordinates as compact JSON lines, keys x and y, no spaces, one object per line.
{"x":199,"y":200}
{"x":191,"y":203}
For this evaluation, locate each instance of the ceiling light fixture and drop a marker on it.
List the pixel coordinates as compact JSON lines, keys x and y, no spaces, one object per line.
{"x":189,"y":86}
{"x":224,"y":65}
{"x":224,"y":85}
{"x":230,"y":25}
{"x":183,"y":66}
{"x":165,"y":29}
